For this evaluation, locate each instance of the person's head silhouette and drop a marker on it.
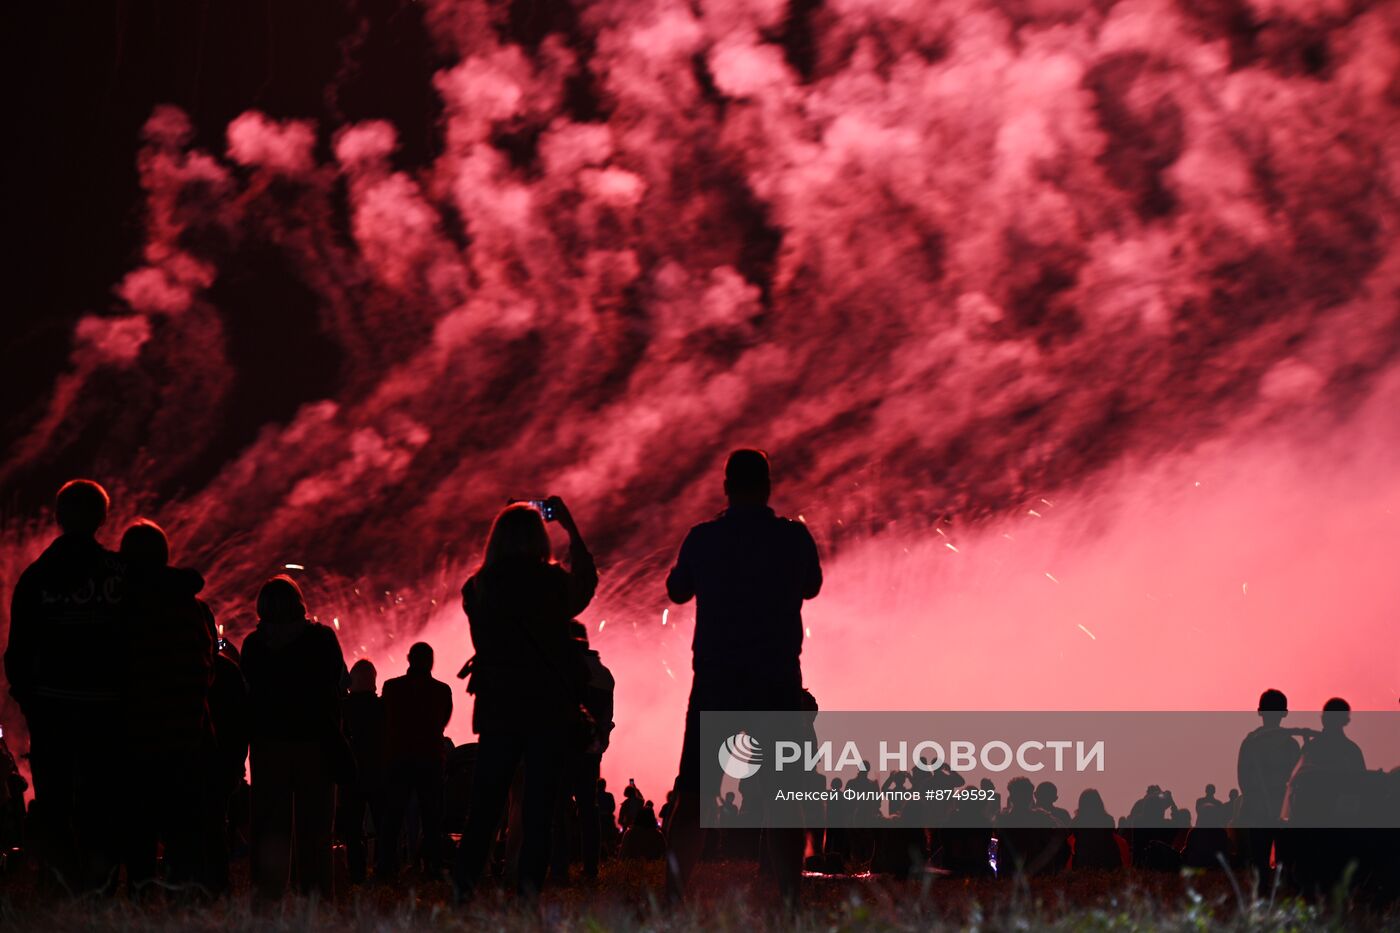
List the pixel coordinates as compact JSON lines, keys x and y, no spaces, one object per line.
{"x":1020,"y":793}
{"x":81,"y":507}
{"x":1210,"y":790}
{"x":746,"y":478}
{"x":1046,"y":793}
{"x":363,"y":676}
{"x":518,"y":533}
{"x":1336,"y":714}
{"x":420,"y":658}
{"x":280,"y":601}
{"x":1091,"y":804}
{"x":145,"y":546}
{"x":1273,"y":706}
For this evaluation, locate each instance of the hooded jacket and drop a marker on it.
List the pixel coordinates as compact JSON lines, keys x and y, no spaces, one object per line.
{"x":169,"y":638}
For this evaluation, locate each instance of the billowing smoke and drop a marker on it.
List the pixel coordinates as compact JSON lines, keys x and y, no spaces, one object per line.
{"x":970,"y":271}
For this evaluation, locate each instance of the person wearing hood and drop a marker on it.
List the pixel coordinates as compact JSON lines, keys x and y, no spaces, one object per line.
{"x":296,"y":676}
{"x":527,"y":678}
{"x":169,"y":638}
{"x":65,"y":615}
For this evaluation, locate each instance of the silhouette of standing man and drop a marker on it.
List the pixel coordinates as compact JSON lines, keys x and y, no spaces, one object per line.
{"x":418,"y":707}
{"x":64,"y":627}
{"x":168,"y":735}
{"x":749,"y":571}
{"x":1267,"y":758}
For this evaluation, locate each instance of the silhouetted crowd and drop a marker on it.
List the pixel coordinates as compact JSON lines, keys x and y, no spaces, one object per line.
{"x":141,"y":718}
{"x":1284,"y":774}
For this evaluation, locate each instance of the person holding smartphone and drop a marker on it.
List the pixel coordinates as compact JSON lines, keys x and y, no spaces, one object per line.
{"x":527,"y":679}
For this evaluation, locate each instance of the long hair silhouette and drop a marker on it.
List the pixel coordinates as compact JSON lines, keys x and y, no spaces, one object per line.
{"x":518,"y":531}
{"x":280,"y":600}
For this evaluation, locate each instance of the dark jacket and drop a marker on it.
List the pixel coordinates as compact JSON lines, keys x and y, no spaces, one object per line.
{"x":749,"y":571}
{"x":527,"y":674}
{"x":1266,"y":760}
{"x":417,"y":707}
{"x":228,"y":708}
{"x":295,"y":680}
{"x":64,"y":627}
{"x":1096,"y":845}
{"x":169,"y":638}
{"x":366,"y":729}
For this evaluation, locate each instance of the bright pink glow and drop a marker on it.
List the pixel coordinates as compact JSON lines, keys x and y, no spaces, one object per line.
{"x":1038,"y":268}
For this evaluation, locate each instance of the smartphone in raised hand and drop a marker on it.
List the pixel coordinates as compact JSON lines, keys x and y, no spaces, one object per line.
{"x":541,"y":505}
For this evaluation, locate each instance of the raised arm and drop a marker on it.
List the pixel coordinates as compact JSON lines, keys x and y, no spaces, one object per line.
{"x":583,"y":572}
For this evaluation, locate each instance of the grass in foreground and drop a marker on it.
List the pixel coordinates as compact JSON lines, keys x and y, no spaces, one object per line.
{"x":727,"y":897}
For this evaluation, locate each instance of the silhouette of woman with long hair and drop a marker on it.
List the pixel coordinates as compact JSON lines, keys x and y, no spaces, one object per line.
{"x":527,"y":678}
{"x":1095,"y":842}
{"x":296,"y":675}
